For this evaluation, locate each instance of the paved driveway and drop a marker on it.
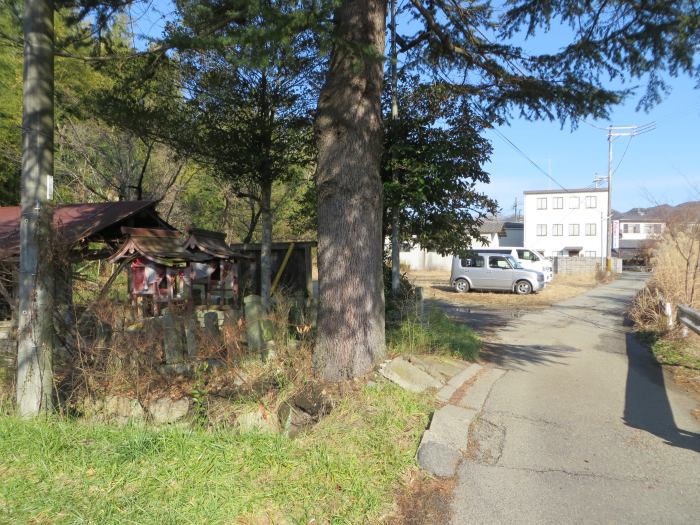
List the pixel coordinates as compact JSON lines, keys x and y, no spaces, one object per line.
{"x":584,"y":427}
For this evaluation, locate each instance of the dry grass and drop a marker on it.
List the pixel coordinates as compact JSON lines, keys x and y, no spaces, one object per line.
{"x":436,"y":286}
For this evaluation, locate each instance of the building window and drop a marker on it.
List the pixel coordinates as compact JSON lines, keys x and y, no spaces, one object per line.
{"x":590,"y":228}
{"x":574,"y":230}
{"x":591,"y":201}
{"x":574,"y":203}
{"x":590,"y":254}
{"x":648,"y":228}
{"x":636,"y":228}
{"x":557,"y":230}
{"x":625,"y":228}
{"x":558,"y":203}
{"x":657,"y":228}
{"x":542,"y":203}
{"x":541,"y":230}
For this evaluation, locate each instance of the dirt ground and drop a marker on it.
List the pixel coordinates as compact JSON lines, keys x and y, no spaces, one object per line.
{"x":423,"y":501}
{"x":436,"y":285}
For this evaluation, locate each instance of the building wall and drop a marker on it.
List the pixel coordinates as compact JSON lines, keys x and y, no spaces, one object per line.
{"x":572,"y":265}
{"x":419,"y":259}
{"x":551,"y":245}
{"x":646,"y":230}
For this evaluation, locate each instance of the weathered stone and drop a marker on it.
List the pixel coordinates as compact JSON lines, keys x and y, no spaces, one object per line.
{"x":179,"y":369}
{"x":293,"y":420}
{"x":258,"y":419}
{"x":191,"y":338}
{"x":441,"y":368}
{"x":121,"y":409}
{"x":408,"y":376}
{"x":165,"y":410}
{"x":211,"y":323}
{"x":172,"y":342}
{"x":438,"y":459}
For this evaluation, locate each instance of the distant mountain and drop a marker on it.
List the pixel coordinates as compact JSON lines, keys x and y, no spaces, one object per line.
{"x":661,"y":213}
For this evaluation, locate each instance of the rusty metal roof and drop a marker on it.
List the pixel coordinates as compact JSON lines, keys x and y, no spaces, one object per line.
{"x":73,"y":222}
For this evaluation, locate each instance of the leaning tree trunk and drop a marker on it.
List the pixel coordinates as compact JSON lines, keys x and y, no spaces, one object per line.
{"x":349,"y":125}
{"x":266,"y":244}
{"x":35,"y":327}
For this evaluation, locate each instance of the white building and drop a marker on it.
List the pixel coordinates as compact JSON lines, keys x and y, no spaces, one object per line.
{"x":637,"y":229}
{"x":569,"y":223}
{"x":494,"y":233}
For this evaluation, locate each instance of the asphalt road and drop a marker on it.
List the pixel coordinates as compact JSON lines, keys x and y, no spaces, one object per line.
{"x":584,"y":427}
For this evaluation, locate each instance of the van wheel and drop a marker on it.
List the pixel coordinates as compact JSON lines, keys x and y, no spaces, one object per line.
{"x":523,"y":288}
{"x":462,"y":285}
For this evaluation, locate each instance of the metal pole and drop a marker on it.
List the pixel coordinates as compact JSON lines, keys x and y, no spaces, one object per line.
{"x":608,"y":221}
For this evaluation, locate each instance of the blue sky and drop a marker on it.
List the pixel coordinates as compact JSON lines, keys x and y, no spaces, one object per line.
{"x":662,"y":166}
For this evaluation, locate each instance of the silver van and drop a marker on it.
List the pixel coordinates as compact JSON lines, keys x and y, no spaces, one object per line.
{"x":528,"y":259}
{"x":494,"y":271}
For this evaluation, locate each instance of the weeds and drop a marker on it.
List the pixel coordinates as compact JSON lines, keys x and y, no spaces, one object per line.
{"x":438,"y":334}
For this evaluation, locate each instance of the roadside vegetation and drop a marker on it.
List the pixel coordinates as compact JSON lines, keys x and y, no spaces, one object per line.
{"x":348,"y":467}
{"x":675,"y":280}
{"x":344,"y":471}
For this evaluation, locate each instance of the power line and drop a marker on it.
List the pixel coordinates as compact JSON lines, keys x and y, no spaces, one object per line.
{"x":555,"y":181}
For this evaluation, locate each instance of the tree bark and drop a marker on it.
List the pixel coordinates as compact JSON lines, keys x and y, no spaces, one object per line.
{"x":349,"y":127}
{"x":266,"y":244}
{"x":395,"y":211}
{"x":35,"y":326}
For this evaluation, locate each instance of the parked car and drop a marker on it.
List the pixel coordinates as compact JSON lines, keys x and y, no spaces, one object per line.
{"x":529,"y":259}
{"x":492,"y":271}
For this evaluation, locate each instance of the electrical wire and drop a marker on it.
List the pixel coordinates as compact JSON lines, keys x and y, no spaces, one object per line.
{"x":555,"y":181}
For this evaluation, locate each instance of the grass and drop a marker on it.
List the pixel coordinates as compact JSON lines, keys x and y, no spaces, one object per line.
{"x":343,"y":471}
{"x":438,"y":334}
{"x":676,"y":352}
{"x":562,"y":287}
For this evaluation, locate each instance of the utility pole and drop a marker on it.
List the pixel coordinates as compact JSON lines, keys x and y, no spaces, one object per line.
{"x":35,"y":335}
{"x":613,"y":133}
{"x":395,"y":211}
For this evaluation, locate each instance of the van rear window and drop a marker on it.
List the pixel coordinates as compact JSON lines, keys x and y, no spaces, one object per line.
{"x":472,"y":262}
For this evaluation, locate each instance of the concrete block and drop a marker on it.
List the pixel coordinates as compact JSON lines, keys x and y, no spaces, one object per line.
{"x":408,"y":376}
{"x":439,"y":459}
{"x":476,"y":396}
{"x":446,"y":392}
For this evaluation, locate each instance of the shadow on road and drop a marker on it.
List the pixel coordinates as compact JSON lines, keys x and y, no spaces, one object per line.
{"x":513,"y":357}
{"x":476,"y":317}
{"x":646,"y":403}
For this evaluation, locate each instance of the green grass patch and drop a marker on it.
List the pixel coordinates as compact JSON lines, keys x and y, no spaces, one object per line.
{"x":344,"y":470}
{"x":438,"y":334}
{"x":676,"y":352}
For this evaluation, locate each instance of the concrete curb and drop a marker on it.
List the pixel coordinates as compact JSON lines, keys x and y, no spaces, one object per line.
{"x":443,"y":443}
{"x":446,"y":392}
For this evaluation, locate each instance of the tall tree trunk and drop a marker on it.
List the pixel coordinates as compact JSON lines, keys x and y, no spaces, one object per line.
{"x":266,"y":244}
{"x":349,"y":125}
{"x":35,"y":329}
{"x":395,"y":210}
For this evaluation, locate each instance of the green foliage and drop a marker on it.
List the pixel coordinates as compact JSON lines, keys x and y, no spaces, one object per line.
{"x":438,"y":334}
{"x":345,"y":470}
{"x":432,"y":163}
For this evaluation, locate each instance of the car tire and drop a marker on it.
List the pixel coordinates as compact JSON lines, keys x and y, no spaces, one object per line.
{"x":462,"y":285}
{"x":523,"y":287}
